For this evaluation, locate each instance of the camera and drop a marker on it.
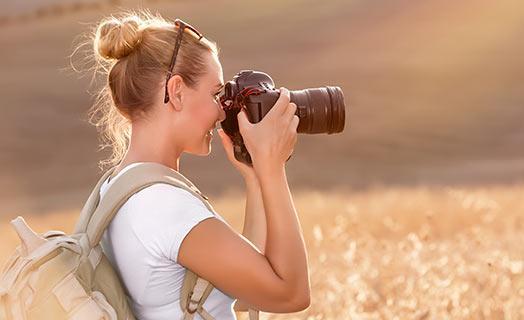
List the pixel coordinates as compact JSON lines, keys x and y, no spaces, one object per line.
{"x":320,"y":110}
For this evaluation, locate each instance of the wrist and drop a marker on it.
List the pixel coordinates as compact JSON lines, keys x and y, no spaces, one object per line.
{"x":269,"y":172}
{"x":250,"y":179}
{"x":267,"y":165}
{"x":249,"y":176}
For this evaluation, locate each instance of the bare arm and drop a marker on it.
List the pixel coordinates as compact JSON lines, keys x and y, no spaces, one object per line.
{"x":285,"y":247}
{"x":276,"y":281}
{"x":255,"y":228}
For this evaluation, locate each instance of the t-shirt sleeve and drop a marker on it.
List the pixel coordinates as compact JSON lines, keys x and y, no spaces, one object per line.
{"x":166,"y":216}
{"x":196,"y":213}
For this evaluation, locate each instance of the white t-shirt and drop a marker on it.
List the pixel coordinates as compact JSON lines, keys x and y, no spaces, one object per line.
{"x":142,"y":243}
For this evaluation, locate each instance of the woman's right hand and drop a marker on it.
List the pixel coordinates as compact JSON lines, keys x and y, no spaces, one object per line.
{"x":270,"y":142}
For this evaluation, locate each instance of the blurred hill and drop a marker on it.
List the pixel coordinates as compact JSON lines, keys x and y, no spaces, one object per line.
{"x":434,"y":93}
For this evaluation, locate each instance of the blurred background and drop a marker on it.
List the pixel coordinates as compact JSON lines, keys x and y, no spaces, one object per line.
{"x":431,"y":160}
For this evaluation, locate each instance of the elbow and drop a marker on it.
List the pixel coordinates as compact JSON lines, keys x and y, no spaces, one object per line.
{"x":301,"y":302}
{"x":304,"y":303}
{"x":302,"y":297}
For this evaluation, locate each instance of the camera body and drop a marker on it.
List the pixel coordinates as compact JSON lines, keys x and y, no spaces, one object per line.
{"x":320,"y":110}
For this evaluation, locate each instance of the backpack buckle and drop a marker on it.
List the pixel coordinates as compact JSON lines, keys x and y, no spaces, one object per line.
{"x":192,"y":304}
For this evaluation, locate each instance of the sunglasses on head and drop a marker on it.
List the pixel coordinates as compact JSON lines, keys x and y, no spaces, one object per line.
{"x":182,"y":26}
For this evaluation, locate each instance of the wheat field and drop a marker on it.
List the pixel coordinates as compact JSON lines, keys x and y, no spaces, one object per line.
{"x":394,"y":253}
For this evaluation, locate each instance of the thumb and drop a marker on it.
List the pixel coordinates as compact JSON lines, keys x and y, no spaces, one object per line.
{"x":243,"y":121}
{"x":226,"y":142}
{"x":223,"y":136}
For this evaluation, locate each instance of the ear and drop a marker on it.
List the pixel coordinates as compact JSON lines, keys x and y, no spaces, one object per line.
{"x":175,"y":89}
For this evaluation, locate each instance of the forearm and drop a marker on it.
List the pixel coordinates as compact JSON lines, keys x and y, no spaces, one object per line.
{"x":285,"y":248}
{"x":255,"y":227}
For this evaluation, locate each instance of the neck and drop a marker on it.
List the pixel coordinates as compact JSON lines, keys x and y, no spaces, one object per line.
{"x":152,"y":144}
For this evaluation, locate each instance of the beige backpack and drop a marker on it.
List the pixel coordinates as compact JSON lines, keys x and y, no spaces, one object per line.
{"x":59,"y":276}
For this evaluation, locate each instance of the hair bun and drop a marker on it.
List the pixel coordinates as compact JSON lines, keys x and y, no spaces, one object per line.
{"x":116,"y":39}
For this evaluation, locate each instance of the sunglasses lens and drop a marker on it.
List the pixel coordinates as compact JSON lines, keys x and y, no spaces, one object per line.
{"x":187,"y":27}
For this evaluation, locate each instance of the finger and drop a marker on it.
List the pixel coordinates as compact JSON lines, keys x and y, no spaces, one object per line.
{"x":223,"y":135}
{"x":290,"y":111}
{"x":225,"y":139}
{"x":281,"y":103}
{"x":294,"y":123}
{"x":226,"y":142}
{"x":243,"y":121}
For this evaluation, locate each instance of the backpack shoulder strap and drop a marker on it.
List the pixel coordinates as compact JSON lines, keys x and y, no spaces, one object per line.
{"x":128,"y":183}
{"x":91,"y":203}
{"x":193,"y":294}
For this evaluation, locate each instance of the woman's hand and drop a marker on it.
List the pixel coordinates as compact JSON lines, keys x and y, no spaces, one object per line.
{"x":270,"y":142}
{"x":246,"y":171}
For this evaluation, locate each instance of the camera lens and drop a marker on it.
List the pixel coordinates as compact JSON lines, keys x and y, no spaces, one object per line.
{"x":321,"y":110}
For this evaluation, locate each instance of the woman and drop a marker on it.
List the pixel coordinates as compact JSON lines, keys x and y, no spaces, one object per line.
{"x":161,"y":101}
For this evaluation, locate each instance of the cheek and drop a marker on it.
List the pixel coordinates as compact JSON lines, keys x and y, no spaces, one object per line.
{"x":204,"y":114}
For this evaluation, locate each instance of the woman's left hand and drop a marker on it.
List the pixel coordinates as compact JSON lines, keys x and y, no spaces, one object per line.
{"x":246,"y":171}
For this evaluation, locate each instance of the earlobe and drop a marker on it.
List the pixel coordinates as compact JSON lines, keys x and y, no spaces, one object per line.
{"x":179,"y":105}
{"x":176,"y":102}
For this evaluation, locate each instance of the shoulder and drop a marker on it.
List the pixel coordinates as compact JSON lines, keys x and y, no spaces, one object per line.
{"x":163,"y":203}
{"x":161,"y":215}
{"x":166,"y":194}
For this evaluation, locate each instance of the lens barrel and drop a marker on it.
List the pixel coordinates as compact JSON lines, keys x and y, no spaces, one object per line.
{"x":321,"y":110}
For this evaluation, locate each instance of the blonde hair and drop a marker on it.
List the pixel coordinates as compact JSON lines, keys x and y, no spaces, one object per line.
{"x":133,"y":51}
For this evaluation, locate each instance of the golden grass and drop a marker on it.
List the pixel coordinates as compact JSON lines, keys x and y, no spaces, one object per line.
{"x":395,"y":253}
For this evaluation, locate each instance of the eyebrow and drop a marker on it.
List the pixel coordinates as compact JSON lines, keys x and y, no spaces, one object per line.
{"x":219,"y":86}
